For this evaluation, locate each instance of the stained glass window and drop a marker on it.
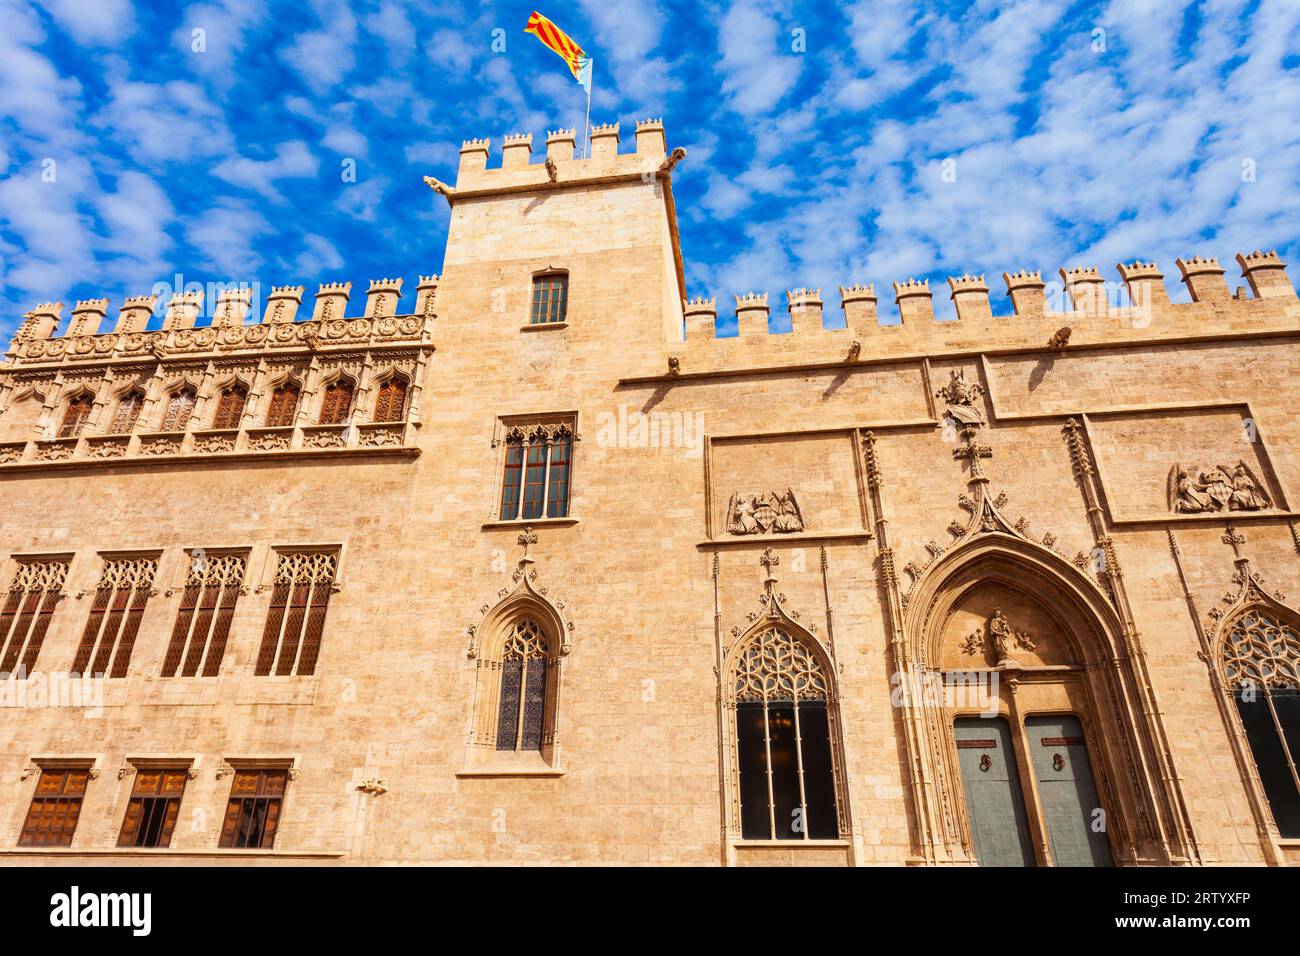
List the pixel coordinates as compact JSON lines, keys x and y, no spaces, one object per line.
{"x":783,"y":742}
{"x":1262,"y":664}
{"x":521,"y":718}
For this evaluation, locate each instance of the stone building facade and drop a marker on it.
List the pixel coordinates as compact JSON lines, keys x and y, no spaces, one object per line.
{"x":536,"y":569}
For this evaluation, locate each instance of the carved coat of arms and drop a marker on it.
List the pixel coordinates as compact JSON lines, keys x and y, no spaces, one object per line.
{"x":763,"y":513}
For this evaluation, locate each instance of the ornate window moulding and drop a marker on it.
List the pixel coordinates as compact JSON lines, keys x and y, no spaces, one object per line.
{"x":180,"y":458}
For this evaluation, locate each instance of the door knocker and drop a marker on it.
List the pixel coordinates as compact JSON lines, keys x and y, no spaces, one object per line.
{"x":985,"y":762}
{"x":1058,"y":762}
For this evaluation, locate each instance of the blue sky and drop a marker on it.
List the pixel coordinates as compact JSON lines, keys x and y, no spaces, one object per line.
{"x":868,"y":141}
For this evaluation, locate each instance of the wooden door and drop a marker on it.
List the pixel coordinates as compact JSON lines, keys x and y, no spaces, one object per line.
{"x":994,"y":799}
{"x":1072,"y":813}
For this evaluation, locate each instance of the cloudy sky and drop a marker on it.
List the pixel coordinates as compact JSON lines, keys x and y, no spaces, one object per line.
{"x":867,"y":141}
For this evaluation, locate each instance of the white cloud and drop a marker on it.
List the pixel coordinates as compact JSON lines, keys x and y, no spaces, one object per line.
{"x":226,"y":236}
{"x":323,"y":58}
{"x":226,"y":26}
{"x":293,"y":160}
{"x":758,"y":65}
{"x":93,"y":22}
{"x":317,"y":258}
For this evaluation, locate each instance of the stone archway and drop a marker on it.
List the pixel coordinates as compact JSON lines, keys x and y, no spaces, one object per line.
{"x":1037,"y":642}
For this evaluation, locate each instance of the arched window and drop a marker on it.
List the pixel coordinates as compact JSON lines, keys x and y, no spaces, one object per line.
{"x":337,"y":404}
{"x":1262,"y":665}
{"x":390,"y":403}
{"x":284,"y":406}
{"x":74,"y":419}
{"x":550,"y":298}
{"x":230,"y":406}
{"x":521,"y":714}
{"x":179,"y":408}
{"x":127,"y":412}
{"x":783,"y":741}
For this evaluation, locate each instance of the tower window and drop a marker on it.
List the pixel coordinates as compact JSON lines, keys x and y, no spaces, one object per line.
{"x":550,"y":298}
{"x":536,"y":478}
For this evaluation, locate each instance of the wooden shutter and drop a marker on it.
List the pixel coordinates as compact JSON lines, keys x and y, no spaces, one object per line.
{"x":74,"y":419}
{"x":337,"y":403}
{"x":284,"y":405}
{"x":230,"y":407}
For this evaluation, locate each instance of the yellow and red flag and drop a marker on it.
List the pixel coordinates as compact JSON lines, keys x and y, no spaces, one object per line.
{"x":578,"y":62}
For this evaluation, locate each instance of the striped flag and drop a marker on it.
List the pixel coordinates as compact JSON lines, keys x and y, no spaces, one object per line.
{"x":578,"y":62}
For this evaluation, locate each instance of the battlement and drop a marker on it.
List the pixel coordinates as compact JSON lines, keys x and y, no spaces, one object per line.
{"x":277,"y":326}
{"x":1093,"y":308}
{"x":561,"y":163}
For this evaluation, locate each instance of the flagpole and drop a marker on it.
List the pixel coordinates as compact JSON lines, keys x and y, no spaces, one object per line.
{"x":586,"y":124}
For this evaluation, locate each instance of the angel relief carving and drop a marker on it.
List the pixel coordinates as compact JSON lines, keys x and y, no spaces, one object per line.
{"x":763,"y":513}
{"x":1219,"y":488}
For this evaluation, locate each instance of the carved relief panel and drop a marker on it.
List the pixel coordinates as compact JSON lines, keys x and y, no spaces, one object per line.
{"x":996,"y":626}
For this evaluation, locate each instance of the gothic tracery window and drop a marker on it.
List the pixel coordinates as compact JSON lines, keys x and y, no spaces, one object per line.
{"x":304,"y":581}
{"x":230,"y":406}
{"x":212,"y":588}
{"x":76,"y":415}
{"x":127,"y":412}
{"x":783,"y":741}
{"x":521,"y":717}
{"x":1262,"y":665}
{"x":27,"y":611}
{"x":337,"y":403}
{"x":284,"y":406}
{"x":390,"y":401}
{"x":125,"y":585}
{"x":536,"y":479}
{"x":180,"y":406}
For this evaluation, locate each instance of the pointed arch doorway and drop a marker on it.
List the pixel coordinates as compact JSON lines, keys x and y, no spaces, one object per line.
{"x":1034,"y":745}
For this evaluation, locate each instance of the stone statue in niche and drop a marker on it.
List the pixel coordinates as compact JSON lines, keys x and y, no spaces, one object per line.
{"x":961,"y":398}
{"x":762,"y":513}
{"x":1001,"y":636}
{"x":1218,"y":489}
